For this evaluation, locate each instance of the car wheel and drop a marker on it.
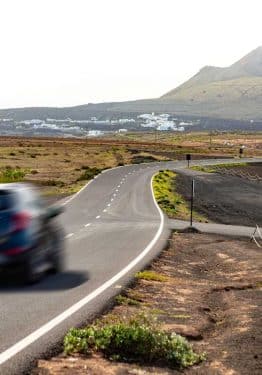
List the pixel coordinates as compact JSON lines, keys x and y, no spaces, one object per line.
{"x":33,"y":270}
{"x":57,"y":251}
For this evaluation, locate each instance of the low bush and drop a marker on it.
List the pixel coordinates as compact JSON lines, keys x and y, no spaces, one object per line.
{"x":138,"y":159}
{"x":137,"y":339}
{"x":89,"y":173}
{"x":53,"y":183}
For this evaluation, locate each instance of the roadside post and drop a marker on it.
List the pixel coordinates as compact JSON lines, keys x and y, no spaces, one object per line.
{"x":241,"y":151}
{"x":188,"y":158}
{"x":192,"y":202}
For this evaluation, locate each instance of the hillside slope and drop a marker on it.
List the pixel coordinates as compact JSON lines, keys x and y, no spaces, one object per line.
{"x":234,"y":92}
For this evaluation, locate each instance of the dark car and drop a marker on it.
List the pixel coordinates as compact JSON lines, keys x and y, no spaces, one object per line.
{"x":31,"y":240}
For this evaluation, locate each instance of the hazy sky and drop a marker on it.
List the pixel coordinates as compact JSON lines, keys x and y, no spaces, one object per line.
{"x":69,"y":52}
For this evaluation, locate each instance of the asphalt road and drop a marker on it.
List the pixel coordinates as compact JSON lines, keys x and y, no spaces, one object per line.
{"x":113,"y":228}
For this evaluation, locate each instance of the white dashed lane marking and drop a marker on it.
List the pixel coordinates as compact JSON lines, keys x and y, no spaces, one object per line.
{"x":69,"y":235}
{"x":87,"y":225}
{"x":98,"y":217}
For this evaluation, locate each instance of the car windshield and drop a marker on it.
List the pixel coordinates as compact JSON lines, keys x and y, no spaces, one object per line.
{"x":5,"y":200}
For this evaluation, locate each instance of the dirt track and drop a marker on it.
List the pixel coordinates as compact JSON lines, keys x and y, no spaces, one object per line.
{"x":225,"y":199}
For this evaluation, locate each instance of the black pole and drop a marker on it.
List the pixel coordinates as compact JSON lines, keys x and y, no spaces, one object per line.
{"x":192,"y":201}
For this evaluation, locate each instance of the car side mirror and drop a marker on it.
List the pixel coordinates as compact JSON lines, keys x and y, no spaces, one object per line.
{"x":53,"y":211}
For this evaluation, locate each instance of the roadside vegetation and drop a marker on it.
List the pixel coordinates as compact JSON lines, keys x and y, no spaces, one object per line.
{"x":138,"y":338}
{"x":9,"y":174}
{"x":89,"y":173}
{"x":171,"y":202}
{"x":151,"y":276}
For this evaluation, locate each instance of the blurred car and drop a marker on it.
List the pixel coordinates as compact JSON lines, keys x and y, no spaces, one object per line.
{"x":31,"y":240}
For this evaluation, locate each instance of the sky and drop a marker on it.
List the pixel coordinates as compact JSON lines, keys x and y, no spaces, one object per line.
{"x":72,"y":52}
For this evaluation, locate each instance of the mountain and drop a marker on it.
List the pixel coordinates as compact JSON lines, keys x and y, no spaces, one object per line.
{"x":231,"y":92}
{"x":234,"y":92}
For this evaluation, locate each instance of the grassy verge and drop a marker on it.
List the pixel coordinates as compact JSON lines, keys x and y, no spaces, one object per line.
{"x":9,"y":174}
{"x":172,"y":203}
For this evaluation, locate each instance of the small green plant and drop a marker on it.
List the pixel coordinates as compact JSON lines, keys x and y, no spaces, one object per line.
{"x":151,"y":276}
{"x":137,"y":339}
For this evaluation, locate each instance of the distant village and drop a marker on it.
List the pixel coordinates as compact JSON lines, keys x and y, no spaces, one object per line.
{"x":93,"y":126}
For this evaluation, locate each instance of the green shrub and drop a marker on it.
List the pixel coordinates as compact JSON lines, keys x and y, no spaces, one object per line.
{"x":89,"y":173}
{"x":138,"y":339}
{"x":138,"y":159}
{"x":53,"y":183}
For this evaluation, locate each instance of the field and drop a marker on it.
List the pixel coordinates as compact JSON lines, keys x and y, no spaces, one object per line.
{"x":213,"y":142}
{"x":60,"y":165}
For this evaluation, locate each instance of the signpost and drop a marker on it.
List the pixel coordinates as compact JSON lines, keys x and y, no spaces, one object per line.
{"x":192,"y":202}
{"x":188,"y":158}
{"x":241,"y":150}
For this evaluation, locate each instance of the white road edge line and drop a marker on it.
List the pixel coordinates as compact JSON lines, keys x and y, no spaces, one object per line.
{"x":32,"y":337}
{"x":69,"y":235}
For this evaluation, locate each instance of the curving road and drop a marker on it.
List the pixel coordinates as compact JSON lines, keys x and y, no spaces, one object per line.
{"x":113,"y":228}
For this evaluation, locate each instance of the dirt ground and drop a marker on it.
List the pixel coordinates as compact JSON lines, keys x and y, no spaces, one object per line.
{"x":212,"y":297}
{"x":226,"y":199}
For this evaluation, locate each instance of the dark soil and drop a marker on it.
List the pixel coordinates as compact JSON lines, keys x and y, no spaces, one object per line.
{"x":254,"y":169}
{"x":225,"y":199}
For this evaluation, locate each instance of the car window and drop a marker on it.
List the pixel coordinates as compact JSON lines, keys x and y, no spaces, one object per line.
{"x":31,"y":199}
{"x":6,"y":200}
